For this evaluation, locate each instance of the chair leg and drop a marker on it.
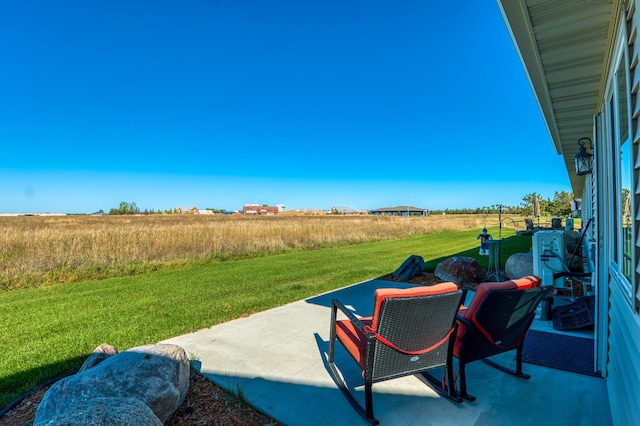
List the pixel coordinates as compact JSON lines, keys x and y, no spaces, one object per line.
{"x":332,"y":345}
{"x":517,"y":372}
{"x":332,"y":332}
{"x":367,"y":413}
{"x":448,"y":390}
{"x":463,"y":384}
{"x":368,"y":398}
{"x":452,"y":385}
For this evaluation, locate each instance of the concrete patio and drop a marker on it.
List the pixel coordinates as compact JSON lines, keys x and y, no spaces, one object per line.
{"x":277,"y":359}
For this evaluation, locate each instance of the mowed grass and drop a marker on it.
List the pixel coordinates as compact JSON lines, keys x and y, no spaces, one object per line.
{"x":51,"y":330}
{"x":43,"y":251}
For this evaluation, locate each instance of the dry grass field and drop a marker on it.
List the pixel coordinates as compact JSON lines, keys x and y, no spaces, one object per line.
{"x":39,"y":251}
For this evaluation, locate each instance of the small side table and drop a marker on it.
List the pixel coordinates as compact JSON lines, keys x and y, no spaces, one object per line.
{"x":493,"y":271}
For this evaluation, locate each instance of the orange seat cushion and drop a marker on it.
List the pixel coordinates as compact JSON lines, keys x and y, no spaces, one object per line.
{"x":470,"y":311}
{"x":353,"y":339}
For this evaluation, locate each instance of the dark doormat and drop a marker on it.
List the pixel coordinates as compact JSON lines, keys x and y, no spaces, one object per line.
{"x":559,"y":351}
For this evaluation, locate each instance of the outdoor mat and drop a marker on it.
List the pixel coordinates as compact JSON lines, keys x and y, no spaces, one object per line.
{"x":559,"y":351}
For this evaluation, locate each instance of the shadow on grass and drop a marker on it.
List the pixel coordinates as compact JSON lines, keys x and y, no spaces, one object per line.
{"x":509,"y":246}
{"x":364,"y":306}
{"x":17,"y":385}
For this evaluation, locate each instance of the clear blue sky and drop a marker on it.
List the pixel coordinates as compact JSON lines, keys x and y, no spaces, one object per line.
{"x":312,"y":104}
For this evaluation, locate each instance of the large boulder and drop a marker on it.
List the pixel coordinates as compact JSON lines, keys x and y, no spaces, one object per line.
{"x":570,"y":239}
{"x":519,"y":265}
{"x":105,"y":411}
{"x":410,"y":268}
{"x":156,"y":376}
{"x":460,"y":270}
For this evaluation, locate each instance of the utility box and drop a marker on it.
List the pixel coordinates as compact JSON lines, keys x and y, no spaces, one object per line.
{"x":548,"y":257}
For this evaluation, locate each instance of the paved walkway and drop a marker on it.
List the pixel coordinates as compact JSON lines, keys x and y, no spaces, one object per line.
{"x":277,"y":359}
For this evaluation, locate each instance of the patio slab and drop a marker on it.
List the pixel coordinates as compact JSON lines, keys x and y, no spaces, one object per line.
{"x":277,"y":359}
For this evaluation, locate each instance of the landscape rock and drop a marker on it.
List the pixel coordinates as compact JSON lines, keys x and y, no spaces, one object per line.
{"x":410,"y":268}
{"x":460,"y":270}
{"x":103,"y":411}
{"x":570,"y":239}
{"x":519,"y":265}
{"x":98,"y":355}
{"x":155,"y":375}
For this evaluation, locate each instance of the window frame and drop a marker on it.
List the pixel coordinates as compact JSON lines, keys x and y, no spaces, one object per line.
{"x":614,"y":145}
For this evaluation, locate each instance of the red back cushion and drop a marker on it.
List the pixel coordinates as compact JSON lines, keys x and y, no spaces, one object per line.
{"x":520,"y":284}
{"x":382,"y":294}
{"x":470,"y":311}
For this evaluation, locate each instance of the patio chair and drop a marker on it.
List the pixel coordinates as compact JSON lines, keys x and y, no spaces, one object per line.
{"x":411,"y":330}
{"x":497,"y":321}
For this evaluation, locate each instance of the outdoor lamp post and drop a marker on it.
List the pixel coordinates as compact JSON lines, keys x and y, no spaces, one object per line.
{"x":584,"y":160}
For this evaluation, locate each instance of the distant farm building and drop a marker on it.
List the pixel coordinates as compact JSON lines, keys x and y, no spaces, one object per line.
{"x":185,"y":210}
{"x":400,"y":211}
{"x":343,"y":210}
{"x":260,"y":210}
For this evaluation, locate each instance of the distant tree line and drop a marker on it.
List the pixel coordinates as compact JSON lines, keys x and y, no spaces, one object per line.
{"x":558,"y":206}
{"x":131,"y":208}
{"x":125,"y":208}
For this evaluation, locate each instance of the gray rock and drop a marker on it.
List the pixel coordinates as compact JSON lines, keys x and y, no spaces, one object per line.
{"x":519,"y":265}
{"x":156,"y":375}
{"x":460,"y":270}
{"x":106,"y":411}
{"x":98,"y":355}
{"x":411,"y":267}
{"x":570,"y":239}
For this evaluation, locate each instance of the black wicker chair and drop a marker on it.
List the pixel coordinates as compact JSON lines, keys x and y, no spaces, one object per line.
{"x":497,"y":321}
{"x":411,"y":331}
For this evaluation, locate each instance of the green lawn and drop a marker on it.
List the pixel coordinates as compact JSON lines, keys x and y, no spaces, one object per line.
{"x":49,"y":331}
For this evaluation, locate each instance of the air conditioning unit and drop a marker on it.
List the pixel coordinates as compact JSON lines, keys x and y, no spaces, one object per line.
{"x":548,"y":257}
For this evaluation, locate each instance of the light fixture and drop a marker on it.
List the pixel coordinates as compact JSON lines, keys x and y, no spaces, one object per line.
{"x":584,"y":160}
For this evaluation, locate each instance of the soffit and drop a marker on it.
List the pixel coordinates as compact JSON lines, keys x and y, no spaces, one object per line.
{"x":564,"y":46}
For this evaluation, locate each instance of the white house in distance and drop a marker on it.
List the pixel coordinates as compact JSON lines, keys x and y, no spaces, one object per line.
{"x":581,"y":57}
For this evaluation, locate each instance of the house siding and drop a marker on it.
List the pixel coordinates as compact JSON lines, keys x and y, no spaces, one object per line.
{"x":623,"y":367}
{"x":633,"y":21}
{"x":612,"y":27}
{"x":623,"y":375}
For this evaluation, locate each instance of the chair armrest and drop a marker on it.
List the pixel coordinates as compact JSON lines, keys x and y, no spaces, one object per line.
{"x":349,"y":314}
{"x":467,"y":290}
{"x":463,"y":320}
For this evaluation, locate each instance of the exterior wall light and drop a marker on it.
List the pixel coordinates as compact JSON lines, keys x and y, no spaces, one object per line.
{"x":584,"y":160}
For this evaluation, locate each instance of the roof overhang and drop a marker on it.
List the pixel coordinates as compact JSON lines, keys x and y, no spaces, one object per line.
{"x":565,"y":46}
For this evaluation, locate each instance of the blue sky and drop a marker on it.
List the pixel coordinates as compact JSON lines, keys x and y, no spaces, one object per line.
{"x":311,"y":104}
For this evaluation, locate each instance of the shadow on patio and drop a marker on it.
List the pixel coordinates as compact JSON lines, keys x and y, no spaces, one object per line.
{"x":277,"y":359}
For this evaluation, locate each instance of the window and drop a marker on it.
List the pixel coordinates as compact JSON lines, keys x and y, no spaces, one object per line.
{"x":623,"y":199}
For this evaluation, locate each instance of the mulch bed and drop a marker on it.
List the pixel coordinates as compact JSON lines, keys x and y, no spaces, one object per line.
{"x":206,"y":404}
{"x":426,"y":278}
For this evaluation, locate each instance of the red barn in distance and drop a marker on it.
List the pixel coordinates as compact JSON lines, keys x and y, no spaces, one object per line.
{"x":257,"y":209}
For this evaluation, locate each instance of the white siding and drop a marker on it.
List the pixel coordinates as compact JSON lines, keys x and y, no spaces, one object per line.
{"x":623,"y":368}
{"x":634,"y":54}
{"x":623,"y":380}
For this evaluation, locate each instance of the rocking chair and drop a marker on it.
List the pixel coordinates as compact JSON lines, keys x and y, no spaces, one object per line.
{"x":497,"y":321}
{"x":411,"y":331}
